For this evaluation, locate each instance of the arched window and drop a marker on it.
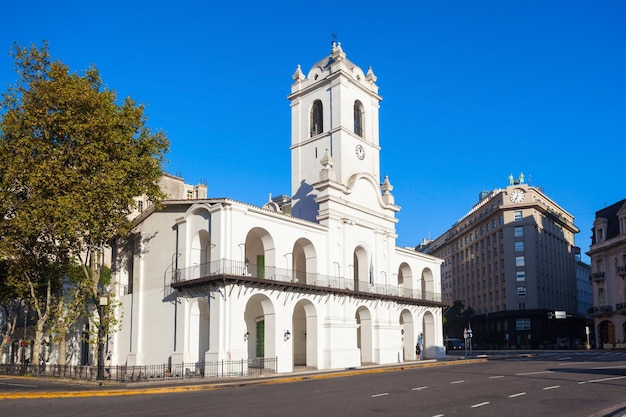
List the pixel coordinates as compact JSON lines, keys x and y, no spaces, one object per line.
{"x":358,"y":118}
{"x":601,"y":297}
{"x":317,"y":118}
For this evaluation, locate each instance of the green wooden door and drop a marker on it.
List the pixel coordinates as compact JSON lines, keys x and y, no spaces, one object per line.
{"x":260,"y":266}
{"x":260,"y":338}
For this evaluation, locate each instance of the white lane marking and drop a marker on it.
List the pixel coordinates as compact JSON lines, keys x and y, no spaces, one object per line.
{"x":418,"y":388}
{"x":380,"y":395}
{"x":458,"y":382}
{"x":438,"y":415}
{"x":534,"y":373}
{"x":573,"y":363}
{"x":480,"y":404}
{"x":568,"y":358}
{"x":552,"y":387}
{"x":606,"y":379}
{"x":497,"y":376}
{"x":18,"y":385}
{"x":608,"y":367}
{"x":519,"y":394}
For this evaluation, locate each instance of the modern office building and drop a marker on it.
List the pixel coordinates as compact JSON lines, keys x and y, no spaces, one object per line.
{"x":608,"y":275}
{"x":314,"y":279}
{"x":584,"y":289}
{"x":511,"y":261}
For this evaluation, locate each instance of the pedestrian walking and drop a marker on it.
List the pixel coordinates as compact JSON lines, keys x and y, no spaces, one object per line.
{"x":107,"y":367}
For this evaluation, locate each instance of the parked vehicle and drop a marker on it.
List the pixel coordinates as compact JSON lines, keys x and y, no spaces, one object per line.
{"x":453,"y":344}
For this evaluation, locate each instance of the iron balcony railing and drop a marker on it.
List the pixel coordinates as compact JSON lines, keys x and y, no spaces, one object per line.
{"x":621,"y":307}
{"x":597,"y":276}
{"x":252,"y":271}
{"x":599,"y":310}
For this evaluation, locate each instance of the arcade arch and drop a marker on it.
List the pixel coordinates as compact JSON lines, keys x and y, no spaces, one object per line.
{"x":428,"y":284}
{"x":364,"y":335}
{"x":260,"y":320}
{"x":407,"y":334}
{"x":405,"y":280}
{"x":304,"y":334}
{"x":259,"y":254}
{"x":429,"y":336}
{"x":362,"y":271}
{"x":198,"y":329}
{"x":304,"y":262}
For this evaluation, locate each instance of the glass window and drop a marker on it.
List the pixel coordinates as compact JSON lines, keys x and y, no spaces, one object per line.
{"x":317,"y":120}
{"x":520,"y":275}
{"x":519,"y":231}
{"x":358,"y":118}
{"x":522,"y":324}
{"x":519,"y":261}
{"x":600,"y":235}
{"x":519,"y":246}
{"x":521,"y":291}
{"x":517,"y":215}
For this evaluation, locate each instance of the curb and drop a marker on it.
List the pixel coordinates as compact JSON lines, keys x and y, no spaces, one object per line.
{"x":213,"y":386}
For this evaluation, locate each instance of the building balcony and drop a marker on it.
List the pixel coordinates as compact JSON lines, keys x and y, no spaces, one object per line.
{"x":621,"y":270}
{"x":597,"y":276}
{"x":227,"y":271}
{"x":620,"y":308}
{"x":599,"y":311}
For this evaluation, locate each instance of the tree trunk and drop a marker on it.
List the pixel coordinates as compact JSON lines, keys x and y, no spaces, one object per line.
{"x":62,"y":350}
{"x":42,"y":317}
{"x":37,"y":341}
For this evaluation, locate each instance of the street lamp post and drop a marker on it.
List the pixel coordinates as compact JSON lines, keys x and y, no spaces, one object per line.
{"x":338,"y":268}
{"x":24,"y":340}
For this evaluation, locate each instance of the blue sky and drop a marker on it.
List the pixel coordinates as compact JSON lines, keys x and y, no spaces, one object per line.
{"x":472,"y":90}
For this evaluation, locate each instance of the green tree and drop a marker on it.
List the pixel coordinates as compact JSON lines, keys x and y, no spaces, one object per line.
{"x":454,"y":311}
{"x":451,"y":318}
{"x":72,"y":160}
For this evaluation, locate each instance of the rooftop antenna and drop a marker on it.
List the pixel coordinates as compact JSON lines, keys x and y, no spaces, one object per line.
{"x":334,"y":36}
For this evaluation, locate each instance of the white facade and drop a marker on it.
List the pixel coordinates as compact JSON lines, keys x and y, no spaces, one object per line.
{"x":318,"y":282}
{"x":608,"y":275}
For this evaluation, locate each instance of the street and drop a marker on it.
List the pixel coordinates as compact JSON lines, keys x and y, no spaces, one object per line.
{"x":573,"y":384}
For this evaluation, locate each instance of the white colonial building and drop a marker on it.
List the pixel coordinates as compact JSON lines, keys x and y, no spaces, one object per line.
{"x":313,"y":280}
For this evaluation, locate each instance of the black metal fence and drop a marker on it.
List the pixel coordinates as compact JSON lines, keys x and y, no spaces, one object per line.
{"x":148,"y":373}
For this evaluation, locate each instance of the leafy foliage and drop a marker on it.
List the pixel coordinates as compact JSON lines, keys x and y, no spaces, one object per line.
{"x":72,"y":160}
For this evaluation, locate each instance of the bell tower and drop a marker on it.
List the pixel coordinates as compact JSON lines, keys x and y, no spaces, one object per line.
{"x":334,"y":117}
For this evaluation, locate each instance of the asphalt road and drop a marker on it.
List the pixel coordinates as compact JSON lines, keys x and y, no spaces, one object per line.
{"x":576,"y":384}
